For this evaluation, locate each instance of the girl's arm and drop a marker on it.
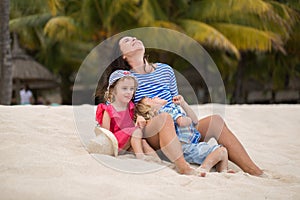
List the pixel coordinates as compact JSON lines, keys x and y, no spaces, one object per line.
{"x":140,"y":121}
{"x":105,"y":121}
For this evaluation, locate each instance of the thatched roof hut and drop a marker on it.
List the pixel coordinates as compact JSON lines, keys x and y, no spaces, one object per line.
{"x":28,"y":71}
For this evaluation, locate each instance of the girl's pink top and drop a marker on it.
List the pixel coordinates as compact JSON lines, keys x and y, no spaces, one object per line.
{"x":121,"y":123}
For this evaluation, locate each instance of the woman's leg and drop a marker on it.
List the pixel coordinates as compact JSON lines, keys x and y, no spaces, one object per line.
{"x":214,"y":126}
{"x":160,"y":134}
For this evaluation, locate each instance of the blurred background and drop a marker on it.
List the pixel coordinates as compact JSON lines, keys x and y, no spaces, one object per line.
{"x":255,"y":45}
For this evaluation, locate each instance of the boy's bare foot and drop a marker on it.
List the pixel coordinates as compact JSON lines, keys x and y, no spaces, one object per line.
{"x":201,"y":171}
{"x":231,"y":171}
{"x":190,"y":171}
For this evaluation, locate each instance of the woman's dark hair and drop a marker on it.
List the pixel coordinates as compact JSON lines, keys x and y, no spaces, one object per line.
{"x":117,"y":63}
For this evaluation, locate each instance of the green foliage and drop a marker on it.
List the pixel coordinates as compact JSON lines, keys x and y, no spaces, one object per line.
{"x":208,"y":35}
{"x":59,"y":28}
{"x":247,"y":38}
{"x":61,"y":32}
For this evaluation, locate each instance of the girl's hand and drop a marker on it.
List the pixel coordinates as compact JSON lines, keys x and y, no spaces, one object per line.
{"x":179,"y":100}
{"x":140,"y":122}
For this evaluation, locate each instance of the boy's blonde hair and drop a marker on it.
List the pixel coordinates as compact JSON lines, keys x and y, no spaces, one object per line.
{"x":144,"y":110}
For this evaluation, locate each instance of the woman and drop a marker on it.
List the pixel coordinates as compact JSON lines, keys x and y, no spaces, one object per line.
{"x":159,"y":80}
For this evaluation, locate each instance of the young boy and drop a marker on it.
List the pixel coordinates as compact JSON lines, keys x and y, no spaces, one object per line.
{"x":185,"y":122}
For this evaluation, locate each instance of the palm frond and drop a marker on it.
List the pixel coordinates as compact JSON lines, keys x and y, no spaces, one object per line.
{"x":150,"y":11}
{"x":113,"y":10}
{"x":167,"y":24}
{"x":248,"y":38}
{"x":264,"y":15}
{"x":21,"y":8}
{"x":222,"y":10}
{"x":31,"y":21}
{"x":55,"y":6}
{"x":60,"y":28}
{"x":294,"y":4}
{"x":28,"y":38}
{"x":208,"y":35}
{"x":289,"y":16}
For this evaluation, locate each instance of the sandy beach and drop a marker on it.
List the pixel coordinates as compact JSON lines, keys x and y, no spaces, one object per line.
{"x":43,"y":156}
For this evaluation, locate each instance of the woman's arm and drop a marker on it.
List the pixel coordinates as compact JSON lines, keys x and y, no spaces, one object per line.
{"x":173,"y":82}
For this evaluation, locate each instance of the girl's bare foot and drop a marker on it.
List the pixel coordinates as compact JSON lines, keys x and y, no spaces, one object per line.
{"x":187,"y":171}
{"x":190,"y":171}
{"x":140,"y":156}
{"x":148,"y":150}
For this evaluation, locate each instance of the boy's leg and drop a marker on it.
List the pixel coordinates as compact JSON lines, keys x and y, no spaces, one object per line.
{"x":214,"y":126}
{"x":222,"y":165}
{"x":211,"y":160}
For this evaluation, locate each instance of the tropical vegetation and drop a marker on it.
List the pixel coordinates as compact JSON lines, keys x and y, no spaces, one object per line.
{"x":254,"y":40}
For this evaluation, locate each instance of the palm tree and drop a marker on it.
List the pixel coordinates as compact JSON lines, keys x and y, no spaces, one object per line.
{"x":5,"y":55}
{"x":51,"y":33}
{"x":63,"y":33}
{"x":232,"y":27}
{"x":236,"y":27}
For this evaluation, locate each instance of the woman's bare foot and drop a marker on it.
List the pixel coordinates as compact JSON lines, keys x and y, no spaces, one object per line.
{"x":265,"y":175}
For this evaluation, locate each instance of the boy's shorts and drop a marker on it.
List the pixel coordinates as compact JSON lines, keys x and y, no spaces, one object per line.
{"x":196,"y":153}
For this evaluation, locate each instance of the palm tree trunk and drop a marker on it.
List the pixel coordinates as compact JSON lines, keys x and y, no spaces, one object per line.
{"x":5,"y":55}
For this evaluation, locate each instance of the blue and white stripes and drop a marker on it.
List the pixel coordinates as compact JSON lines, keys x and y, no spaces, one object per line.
{"x":160,"y":83}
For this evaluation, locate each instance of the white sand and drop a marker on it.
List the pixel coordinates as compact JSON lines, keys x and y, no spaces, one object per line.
{"x":42,"y":157}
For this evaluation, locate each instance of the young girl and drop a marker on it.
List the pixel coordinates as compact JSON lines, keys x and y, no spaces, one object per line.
{"x":201,"y":153}
{"x":117,"y":116}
